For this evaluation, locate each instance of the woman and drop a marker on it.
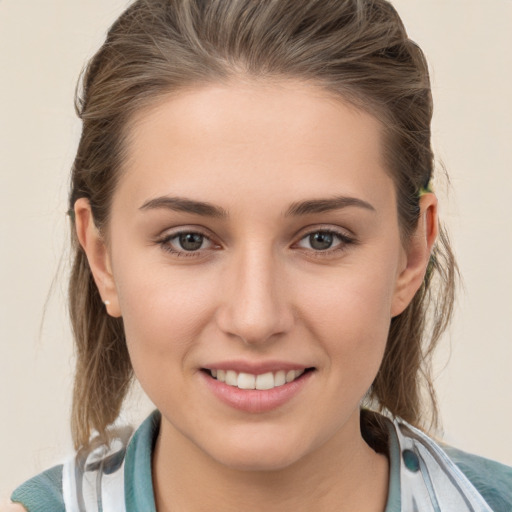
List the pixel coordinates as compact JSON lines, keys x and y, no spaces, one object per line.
{"x":255,"y":240}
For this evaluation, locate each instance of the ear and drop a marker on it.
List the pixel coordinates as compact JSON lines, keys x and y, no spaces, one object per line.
{"x":417,"y":254}
{"x":97,"y":254}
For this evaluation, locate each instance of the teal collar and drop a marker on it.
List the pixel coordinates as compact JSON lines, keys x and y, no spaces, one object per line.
{"x":138,"y":482}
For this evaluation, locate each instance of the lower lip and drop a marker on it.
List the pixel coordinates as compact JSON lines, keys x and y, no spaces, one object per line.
{"x":255,"y":400}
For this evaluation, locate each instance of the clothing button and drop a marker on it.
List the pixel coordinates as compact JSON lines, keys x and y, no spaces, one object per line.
{"x":412,"y":463}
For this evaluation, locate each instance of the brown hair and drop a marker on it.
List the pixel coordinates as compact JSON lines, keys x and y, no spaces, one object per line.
{"x":357,"y":49}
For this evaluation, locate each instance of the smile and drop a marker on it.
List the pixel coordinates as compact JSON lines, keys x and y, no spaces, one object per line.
{"x":256,"y":390}
{"x":264,"y":381}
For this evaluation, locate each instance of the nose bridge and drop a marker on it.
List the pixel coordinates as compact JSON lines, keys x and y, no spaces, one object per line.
{"x":256,"y":307}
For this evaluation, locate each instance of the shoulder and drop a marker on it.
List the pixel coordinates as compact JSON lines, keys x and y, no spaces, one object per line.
{"x":491,"y":479}
{"x":42,"y":493}
{"x":12,"y":507}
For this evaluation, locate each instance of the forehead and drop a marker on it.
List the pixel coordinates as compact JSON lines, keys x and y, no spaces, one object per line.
{"x":274,"y":140}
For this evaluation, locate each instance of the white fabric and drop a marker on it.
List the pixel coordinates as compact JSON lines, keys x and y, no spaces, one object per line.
{"x":95,"y":484}
{"x":439,"y":485}
{"x":69,"y":486}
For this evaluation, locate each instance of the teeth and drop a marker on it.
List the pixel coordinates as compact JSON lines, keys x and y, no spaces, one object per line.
{"x":263,"y":381}
{"x":231,"y":378}
{"x":246,"y":381}
{"x":280,"y":378}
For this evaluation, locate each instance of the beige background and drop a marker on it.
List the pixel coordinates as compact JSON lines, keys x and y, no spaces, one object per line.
{"x":43,"y":46}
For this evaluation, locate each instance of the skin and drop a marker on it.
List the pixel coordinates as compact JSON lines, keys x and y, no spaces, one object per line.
{"x":12,"y":507}
{"x":258,"y":290}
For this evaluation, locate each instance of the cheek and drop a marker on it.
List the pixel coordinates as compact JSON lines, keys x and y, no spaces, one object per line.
{"x":163,"y":320}
{"x":164,"y":311}
{"x":350,"y":312}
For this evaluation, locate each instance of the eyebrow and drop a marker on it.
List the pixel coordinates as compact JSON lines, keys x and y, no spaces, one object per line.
{"x":325,"y":205}
{"x":180,"y":204}
{"x":311,"y":206}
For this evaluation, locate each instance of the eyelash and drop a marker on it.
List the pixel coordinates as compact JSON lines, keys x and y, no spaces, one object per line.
{"x":343,"y":241}
{"x":165,"y":243}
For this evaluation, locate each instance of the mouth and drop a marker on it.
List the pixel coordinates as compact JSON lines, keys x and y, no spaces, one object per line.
{"x":263,"y":381}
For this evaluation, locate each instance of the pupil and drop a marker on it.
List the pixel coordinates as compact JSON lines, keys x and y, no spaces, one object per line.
{"x":191,"y":241}
{"x":321,"y":240}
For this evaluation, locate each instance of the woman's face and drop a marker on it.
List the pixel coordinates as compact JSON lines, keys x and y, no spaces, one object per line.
{"x":253,"y":233}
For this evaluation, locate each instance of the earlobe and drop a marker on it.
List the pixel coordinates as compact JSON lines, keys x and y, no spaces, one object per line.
{"x":418,"y":253}
{"x":97,"y":254}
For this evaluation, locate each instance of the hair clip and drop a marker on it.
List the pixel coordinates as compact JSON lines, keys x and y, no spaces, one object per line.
{"x":425,"y":190}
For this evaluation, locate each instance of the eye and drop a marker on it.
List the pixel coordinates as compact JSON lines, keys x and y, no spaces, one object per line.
{"x":186,"y":243}
{"x":190,"y":241}
{"x":325,"y":241}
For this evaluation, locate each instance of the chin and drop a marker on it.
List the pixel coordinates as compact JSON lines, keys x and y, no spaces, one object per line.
{"x":263,"y":455}
{"x":258,"y":461}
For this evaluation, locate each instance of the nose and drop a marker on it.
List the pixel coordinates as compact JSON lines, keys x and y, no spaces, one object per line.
{"x":255,"y":307}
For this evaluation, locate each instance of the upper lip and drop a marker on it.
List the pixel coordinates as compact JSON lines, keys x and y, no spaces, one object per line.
{"x":255,"y":368}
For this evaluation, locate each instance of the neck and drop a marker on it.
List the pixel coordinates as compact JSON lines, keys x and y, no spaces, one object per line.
{"x":344,"y":474}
